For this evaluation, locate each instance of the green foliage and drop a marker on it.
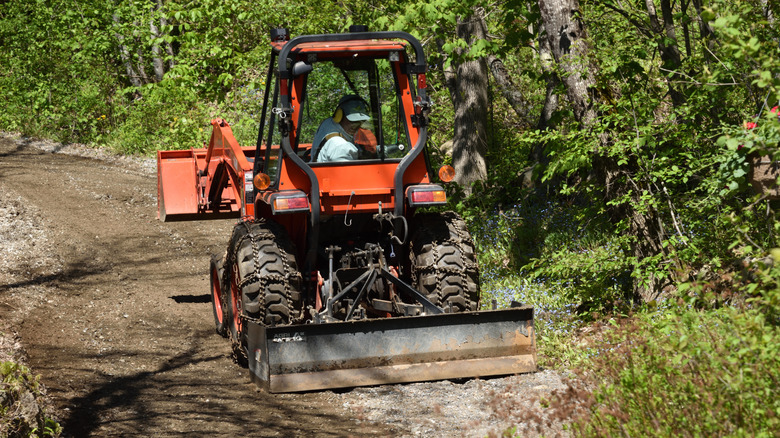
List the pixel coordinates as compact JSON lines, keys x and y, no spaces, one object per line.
{"x":680,"y":372}
{"x":20,"y":413}
{"x":51,"y":77}
{"x":705,"y":365}
{"x":555,"y":319}
{"x":565,"y":246}
{"x":64,"y":66}
{"x":675,"y":165}
{"x":591,"y":273}
{"x":167,"y":117}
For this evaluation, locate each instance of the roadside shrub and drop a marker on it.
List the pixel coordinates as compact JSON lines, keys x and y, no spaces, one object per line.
{"x":680,"y":372}
{"x":21,"y":414}
{"x":550,"y":244}
{"x":168,"y":116}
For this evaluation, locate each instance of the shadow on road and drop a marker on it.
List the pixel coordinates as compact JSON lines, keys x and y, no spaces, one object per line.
{"x":75,"y":272}
{"x":191,"y":299}
{"x":173,"y":399}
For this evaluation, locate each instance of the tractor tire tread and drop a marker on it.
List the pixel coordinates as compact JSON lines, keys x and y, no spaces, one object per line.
{"x":444,"y":265}
{"x":268,"y":277}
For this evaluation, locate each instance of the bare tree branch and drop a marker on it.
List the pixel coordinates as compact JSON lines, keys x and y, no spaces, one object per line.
{"x":509,"y":90}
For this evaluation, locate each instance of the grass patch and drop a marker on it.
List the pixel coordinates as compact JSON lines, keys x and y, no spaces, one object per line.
{"x":21,"y":413}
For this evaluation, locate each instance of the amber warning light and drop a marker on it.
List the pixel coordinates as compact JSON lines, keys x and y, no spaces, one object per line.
{"x":262,"y":181}
{"x":446,"y":173}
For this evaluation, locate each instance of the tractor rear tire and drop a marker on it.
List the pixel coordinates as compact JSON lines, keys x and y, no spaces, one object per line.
{"x":264,"y":280}
{"x":235,"y":324}
{"x":444,"y":265}
{"x":218,"y":307}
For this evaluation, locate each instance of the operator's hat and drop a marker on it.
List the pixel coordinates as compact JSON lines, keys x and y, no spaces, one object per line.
{"x":355,"y":108}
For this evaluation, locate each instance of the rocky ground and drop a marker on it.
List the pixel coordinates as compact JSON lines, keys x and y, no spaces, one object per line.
{"x":111,"y":307}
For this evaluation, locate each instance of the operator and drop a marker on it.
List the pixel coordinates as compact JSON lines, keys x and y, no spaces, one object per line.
{"x":336,"y":138}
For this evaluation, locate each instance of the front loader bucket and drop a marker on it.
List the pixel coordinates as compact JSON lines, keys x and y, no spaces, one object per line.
{"x":208,"y":183}
{"x":392,"y":350}
{"x":177,"y":189}
{"x":177,"y":185}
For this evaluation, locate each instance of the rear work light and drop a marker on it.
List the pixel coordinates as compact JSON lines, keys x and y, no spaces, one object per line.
{"x":289,"y":202}
{"x":426,"y":194}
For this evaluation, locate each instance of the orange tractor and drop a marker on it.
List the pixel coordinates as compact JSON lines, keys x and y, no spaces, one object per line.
{"x":334,"y":275}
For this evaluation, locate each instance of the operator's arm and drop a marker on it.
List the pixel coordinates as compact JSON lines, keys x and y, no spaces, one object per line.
{"x":338,"y":149}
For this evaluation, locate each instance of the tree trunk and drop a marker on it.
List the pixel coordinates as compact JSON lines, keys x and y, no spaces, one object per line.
{"x":508,"y":89}
{"x":467,"y":84}
{"x":705,"y":31}
{"x":538,"y":154}
{"x":770,"y":16}
{"x":140,"y":67}
{"x":566,"y":36}
{"x":550,"y":99}
{"x":124,"y":55}
{"x":767,"y":7}
{"x":686,"y":33}
{"x":667,"y":45}
{"x":157,"y":62}
{"x":167,"y":45}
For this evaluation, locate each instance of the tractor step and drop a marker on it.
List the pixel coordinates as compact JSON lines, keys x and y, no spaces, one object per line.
{"x":392,"y":350}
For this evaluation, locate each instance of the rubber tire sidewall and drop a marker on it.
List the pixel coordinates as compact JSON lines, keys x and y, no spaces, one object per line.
{"x":233,"y":318}
{"x":218,"y":307}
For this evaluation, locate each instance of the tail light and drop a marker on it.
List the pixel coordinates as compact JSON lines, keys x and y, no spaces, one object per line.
{"x":293,"y":201}
{"x":426,"y":194}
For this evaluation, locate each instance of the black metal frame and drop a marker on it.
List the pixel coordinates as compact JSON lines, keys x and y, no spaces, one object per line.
{"x":375,"y":268}
{"x":419,"y":67}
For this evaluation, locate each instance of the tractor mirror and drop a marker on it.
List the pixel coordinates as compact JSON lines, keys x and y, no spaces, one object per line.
{"x":301,"y":68}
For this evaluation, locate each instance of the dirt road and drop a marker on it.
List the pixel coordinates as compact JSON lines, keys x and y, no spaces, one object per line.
{"x":112,"y":307}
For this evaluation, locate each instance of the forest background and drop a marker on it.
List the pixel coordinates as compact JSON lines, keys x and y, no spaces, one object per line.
{"x":604,"y":150}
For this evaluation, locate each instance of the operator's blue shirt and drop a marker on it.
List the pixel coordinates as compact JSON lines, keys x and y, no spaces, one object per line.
{"x":338,"y":148}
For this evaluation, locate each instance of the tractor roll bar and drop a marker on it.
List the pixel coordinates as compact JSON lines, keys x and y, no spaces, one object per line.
{"x":419,"y":63}
{"x":419,"y":67}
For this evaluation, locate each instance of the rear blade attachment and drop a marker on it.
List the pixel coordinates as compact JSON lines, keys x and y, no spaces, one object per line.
{"x":392,"y":350}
